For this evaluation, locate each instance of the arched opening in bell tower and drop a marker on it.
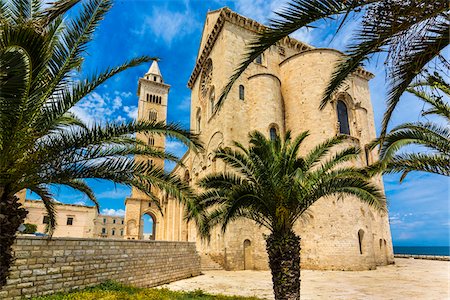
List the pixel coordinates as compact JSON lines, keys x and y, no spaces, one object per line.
{"x":149,"y":226}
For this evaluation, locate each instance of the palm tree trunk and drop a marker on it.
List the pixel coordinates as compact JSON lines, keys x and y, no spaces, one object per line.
{"x":284,"y":262}
{"x":11,"y":216}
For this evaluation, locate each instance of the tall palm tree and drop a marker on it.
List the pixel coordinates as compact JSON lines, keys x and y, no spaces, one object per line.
{"x":433,"y":138}
{"x":272,"y":185}
{"x":41,"y":142}
{"x":413,"y":33}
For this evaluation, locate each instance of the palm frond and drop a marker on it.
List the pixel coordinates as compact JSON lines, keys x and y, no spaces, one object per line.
{"x":270,"y":184}
{"x":70,"y":96}
{"x":431,"y":163}
{"x":297,"y":14}
{"x":49,"y":205}
{"x":81,"y":186}
{"x":430,"y":135}
{"x":408,"y":66}
{"x":57,"y":9}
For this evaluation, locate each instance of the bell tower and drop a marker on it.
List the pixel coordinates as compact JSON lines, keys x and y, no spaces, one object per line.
{"x":152,"y":107}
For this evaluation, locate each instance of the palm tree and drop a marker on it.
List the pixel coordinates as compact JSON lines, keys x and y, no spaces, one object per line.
{"x":433,"y":138}
{"x":272,"y":185}
{"x":413,"y":33}
{"x":41,"y":142}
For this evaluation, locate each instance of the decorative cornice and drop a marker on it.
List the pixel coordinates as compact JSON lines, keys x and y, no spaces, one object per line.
{"x":228,"y":15}
{"x":264,"y":74}
{"x":364,"y":73}
{"x":59,"y":203}
{"x":360,"y":71}
{"x":163,"y":86}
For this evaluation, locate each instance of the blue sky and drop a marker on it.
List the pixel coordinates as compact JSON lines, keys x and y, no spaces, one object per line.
{"x":171,"y":30}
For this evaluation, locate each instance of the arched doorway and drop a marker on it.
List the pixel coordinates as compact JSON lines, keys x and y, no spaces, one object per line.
{"x":149,"y":226}
{"x":248,"y":258}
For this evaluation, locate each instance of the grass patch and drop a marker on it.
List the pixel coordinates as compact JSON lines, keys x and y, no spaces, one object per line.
{"x":115,"y":291}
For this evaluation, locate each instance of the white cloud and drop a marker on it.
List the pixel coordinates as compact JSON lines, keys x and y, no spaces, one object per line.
{"x":175,"y":147}
{"x":185,"y":104}
{"x":80,"y":203}
{"x":100,"y":108}
{"x":123,"y":94}
{"x":113,"y":212}
{"x":263,"y":10}
{"x":259,"y":10}
{"x":117,"y":103}
{"x":117,"y":193}
{"x":169,"y":25}
{"x":131,"y":111}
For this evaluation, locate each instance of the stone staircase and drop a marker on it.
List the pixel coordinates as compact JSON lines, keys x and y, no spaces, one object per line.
{"x":208,"y":264}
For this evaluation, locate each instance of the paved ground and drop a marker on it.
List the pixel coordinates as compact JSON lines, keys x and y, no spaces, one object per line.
{"x":407,"y":279}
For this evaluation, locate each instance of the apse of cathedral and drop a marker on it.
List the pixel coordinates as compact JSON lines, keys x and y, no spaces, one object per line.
{"x":280,"y":90}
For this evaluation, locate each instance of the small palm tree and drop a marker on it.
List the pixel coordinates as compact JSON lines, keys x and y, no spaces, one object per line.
{"x":273,"y":186}
{"x":413,"y":33}
{"x":433,"y":137}
{"x":41,"y":142}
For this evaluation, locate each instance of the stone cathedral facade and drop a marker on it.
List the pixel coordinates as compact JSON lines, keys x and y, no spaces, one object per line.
{"x":281,"y":90}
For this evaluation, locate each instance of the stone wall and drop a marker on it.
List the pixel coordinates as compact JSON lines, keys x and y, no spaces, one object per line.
{"x":43,"y":267}
{"x":428,"y":257}
{"x":284,"y":91}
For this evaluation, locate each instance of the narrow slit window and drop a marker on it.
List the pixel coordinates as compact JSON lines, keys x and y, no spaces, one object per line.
{"x":360,"y":240}
{"x":241,"y":92}
{"x":199,"y":121}
{"x":259,"y":59}
{"x":212,"y":99}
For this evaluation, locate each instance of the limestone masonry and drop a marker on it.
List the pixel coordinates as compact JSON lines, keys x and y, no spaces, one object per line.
{"x":44,"y":266}
{"x":74,"y":220}
{"x":281,"y":90}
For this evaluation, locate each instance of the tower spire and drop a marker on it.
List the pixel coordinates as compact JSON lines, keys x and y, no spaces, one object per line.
{"x":154,"y":74}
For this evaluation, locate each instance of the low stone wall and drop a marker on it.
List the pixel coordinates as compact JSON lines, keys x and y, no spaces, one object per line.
{"x":429,"y":257}
{"x":47,"y":266}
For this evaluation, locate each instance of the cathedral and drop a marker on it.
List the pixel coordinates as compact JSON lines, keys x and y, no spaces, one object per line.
{"x":281,"y":90}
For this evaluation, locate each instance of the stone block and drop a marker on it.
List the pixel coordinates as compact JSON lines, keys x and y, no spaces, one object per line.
{"x":38,"y":272}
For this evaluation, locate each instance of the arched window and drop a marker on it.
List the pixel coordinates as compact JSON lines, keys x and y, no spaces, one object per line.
{"x":259,"y":59}
{"x":148,"y":97}
{"x":342,"y":113}
{"x":187,"y":177}
{"x":154,"y":78}
{"x":241,"y":92}
{"x":212,"y":99}
{"x":273,"y":133}
{"x":159,"y":100}
{"x":199,"y":120}
{"x":360,"y":240}
{"x":151,"y":141}
{"x":152,"y":115}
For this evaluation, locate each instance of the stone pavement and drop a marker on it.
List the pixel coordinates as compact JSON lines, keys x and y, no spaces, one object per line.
{"x":407,"y":279}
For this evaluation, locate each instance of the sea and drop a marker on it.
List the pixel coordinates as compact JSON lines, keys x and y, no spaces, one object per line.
{"x":423,"y":250}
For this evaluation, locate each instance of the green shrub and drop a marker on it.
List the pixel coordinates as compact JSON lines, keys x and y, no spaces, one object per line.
{"x":30,"y":228}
